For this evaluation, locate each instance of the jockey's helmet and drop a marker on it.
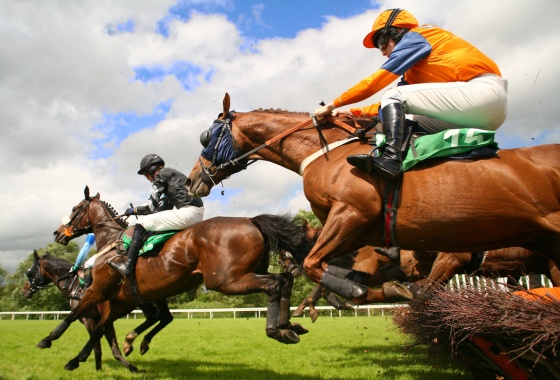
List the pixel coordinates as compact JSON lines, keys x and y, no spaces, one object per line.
{"x":391,"y":18}
{"x":150,"y":163}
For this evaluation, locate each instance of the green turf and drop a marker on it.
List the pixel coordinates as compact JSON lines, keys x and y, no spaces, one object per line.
{"x":227,"y":348}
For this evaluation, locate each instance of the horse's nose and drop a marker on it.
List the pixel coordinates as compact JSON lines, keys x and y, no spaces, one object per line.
{"x":188,"y":182}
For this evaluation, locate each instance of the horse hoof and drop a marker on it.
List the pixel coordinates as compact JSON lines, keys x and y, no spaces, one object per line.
{"x":72,"y":365}
{"x":144,"y":347}
{"x":313,"y":315}
{"x":44,"y":344}
{"x":395,"y":291}
{"x":128,"y":348}
{"x":297,"y":313}
{"x":298,"y":329}
{"x":288,"y":337}
{"x":133,"y":369}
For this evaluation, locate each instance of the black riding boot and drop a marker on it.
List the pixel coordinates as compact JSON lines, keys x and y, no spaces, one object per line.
{"x":83,"y":285}
{"x":132,"y":253}
{"x":389,"y":165}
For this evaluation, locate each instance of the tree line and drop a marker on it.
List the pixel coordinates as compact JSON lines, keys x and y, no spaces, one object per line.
{"x":51,"y":299}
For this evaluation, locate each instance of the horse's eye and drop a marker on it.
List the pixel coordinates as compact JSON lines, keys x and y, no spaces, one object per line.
{"x":28,"y":272}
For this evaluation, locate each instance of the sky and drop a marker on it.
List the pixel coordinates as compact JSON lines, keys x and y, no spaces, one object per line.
{"x":87,"y":88}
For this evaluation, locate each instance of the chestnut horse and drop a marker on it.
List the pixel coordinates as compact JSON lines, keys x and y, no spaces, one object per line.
{"x":47,"y":270}
{"x":229,"y":255}
{"x":425,"y":269}
{"x":445,"y":205}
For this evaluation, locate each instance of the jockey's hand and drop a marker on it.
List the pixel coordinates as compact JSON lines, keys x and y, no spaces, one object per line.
{"x":130,"y":211}
{"x":323,"y":111}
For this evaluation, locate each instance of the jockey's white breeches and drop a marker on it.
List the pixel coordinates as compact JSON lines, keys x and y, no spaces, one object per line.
{"x":169,"y":220}
{"x":479,"y":103}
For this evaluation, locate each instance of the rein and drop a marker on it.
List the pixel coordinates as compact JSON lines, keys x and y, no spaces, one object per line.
{"x":208,"y":172}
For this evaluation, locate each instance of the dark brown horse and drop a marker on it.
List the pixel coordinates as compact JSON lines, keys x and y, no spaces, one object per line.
{"x":48,"y":270}
{"x":425,"y":269}
{"x":228,"y":255}
{"x":155,"y":313}
{"x":445,"y":205}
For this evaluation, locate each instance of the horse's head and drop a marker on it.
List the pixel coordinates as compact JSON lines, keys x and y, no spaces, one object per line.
{"x":79,"y":222}
{"x":218,"y":159}
{"x":35,"y":278}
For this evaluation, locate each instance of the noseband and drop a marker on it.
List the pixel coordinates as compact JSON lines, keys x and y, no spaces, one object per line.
{"x":70,"y":231}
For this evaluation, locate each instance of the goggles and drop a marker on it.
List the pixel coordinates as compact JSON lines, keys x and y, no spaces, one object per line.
{"x":382,"y":41}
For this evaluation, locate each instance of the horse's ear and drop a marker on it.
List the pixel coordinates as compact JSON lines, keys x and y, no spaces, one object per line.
{"x":35,"y":255}
{"x":226,"y":104}
{"x":97,"y":196}
{"x":86,"y":193}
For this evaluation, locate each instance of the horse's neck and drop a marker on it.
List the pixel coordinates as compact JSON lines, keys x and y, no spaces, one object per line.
{"x":59,"y":276}
{"x":291,"y":150}
{"x":105,"y":228}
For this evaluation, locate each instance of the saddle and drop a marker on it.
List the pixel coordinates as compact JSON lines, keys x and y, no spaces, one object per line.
{"x":153,"y":242}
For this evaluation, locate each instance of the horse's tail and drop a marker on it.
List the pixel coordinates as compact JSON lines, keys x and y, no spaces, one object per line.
{"x":283,"y":232}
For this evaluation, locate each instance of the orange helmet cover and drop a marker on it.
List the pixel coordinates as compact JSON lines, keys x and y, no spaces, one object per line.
{"x":403,"y":20}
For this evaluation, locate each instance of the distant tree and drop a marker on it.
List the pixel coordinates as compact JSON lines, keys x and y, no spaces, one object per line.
{"x":310,"y":217}
{"x":3,"y":274}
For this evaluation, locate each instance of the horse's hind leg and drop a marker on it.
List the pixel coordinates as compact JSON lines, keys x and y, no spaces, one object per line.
{"x":152,"y":317}
{"x":271,"y":284}
{"x":284,"y":320}
{"x":165,"y":318}
{"x":311,"y":301}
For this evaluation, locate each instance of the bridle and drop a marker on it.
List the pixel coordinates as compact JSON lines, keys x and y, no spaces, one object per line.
{"x":36,"y":280}
{"x":71,"y":232}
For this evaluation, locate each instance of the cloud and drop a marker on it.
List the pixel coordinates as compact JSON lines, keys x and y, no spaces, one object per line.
{"x":69,"y":68}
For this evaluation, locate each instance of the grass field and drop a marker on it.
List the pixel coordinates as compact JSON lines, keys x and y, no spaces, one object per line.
{"x":227,"y":348}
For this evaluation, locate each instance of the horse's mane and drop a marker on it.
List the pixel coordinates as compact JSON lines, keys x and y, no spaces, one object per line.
{"x":114,"y":214}
{"x":56,"y":264}
{"x":278,"y":110}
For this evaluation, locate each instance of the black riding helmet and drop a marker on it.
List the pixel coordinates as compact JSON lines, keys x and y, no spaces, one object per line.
{"x":150,"y":163}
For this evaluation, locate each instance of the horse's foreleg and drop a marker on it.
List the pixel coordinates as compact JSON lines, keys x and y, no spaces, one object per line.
{"x":57,"y":332}
{"x":88,"y":300}
{"x":165,"y":318}
{"x":345,"y":282}
{"x":337,"y":303}
{"x":89,"y":323}
{"x":111,"y":337}
{"x":112,"y":311}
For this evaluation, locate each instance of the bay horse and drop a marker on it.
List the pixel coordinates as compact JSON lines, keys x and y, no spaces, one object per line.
{"x":48,"y":270}
{"x":156,"y":312}
{"x":445,"y":205}
{"x":426,"y":269}
{"x":228,"y":254}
